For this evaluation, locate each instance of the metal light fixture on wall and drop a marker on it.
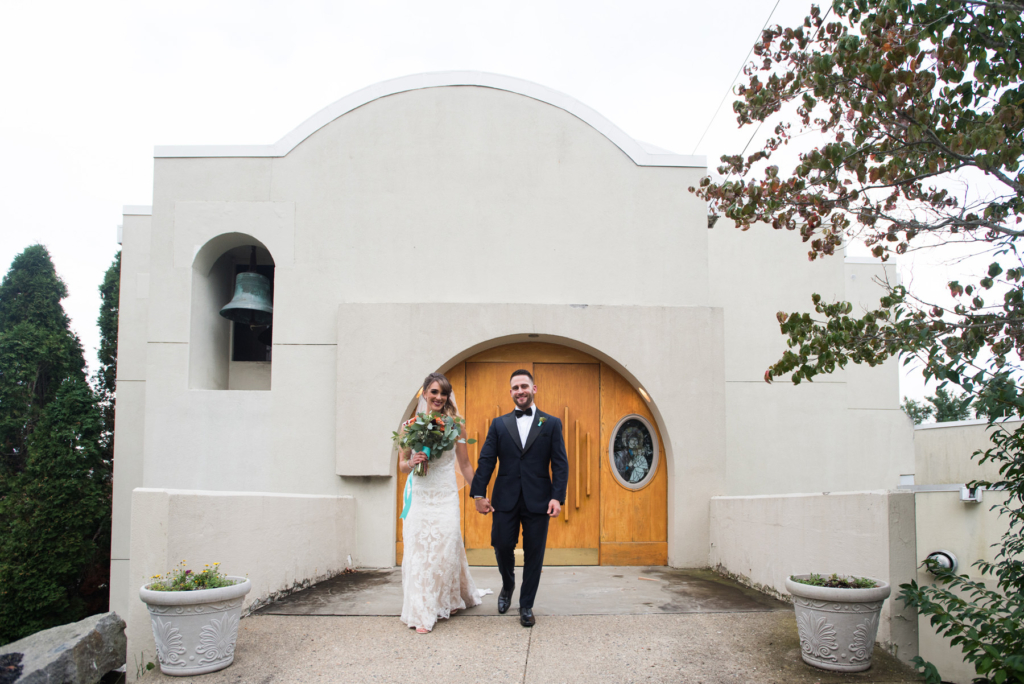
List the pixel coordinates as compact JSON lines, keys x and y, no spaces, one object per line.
{"x":251,"y":302}
{"x":941,"y":560}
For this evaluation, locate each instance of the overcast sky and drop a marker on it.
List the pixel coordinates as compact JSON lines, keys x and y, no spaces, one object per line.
{"x":89,"y":88}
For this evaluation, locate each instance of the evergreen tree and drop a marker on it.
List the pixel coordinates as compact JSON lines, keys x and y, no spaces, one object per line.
{"x":37,"y":351}
{"x":917,"y":411}
{"x":54,"y":482}
{"x":54,"y":517}
{"x":950,"y":407}
{"x":106,"y":376}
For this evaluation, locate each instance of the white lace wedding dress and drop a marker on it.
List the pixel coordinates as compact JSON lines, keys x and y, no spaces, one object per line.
{"x":435,"y":573}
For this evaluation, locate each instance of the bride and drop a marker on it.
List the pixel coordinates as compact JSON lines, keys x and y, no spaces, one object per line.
{"x":435,"y":574}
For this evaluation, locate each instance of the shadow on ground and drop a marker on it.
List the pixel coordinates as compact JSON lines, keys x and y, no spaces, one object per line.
{"x":563,"y":591}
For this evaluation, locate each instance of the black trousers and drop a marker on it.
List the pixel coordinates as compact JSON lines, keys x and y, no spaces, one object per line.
{"x":505,"y":527}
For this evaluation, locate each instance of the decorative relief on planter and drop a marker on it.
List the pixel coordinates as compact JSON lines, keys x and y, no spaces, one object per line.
{"x":217,"y":640}
{"x":832,"y":607}
{"x":169,"y":648}
{"x":194,"y":610}
{"x":817,"y":638}
{"x":864,"y":640}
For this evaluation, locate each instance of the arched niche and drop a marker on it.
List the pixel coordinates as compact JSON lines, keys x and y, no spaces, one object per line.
{"x":225,"y":355}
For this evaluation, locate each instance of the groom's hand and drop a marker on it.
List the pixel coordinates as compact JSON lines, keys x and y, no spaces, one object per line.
{"x":483,"y":506}
{"x":554,"y":508}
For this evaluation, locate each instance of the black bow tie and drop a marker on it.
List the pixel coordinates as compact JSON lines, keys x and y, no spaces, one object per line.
{"x":524,"y":412}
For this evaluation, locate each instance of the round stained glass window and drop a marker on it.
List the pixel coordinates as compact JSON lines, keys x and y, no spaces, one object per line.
{"x":633,"y":452}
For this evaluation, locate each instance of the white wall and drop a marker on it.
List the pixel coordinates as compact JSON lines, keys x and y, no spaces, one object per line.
{"x":279,"y":542}
{"x":842,"y":432}
{"x":762,"y":540}
{"x":130,"y":405}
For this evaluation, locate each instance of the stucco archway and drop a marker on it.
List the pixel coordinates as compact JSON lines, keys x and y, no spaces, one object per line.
{"x":605,"y":520}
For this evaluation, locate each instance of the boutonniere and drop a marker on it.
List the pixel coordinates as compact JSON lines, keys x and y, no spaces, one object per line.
{"x":540,"y":423}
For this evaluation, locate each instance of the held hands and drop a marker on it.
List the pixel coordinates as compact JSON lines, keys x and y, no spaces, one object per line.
{"x":554,"y":508}
{"x":483,"y":506}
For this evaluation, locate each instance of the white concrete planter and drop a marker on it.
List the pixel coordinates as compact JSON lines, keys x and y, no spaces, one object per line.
{"x":195,"y":631}
{"x":837,"y":626}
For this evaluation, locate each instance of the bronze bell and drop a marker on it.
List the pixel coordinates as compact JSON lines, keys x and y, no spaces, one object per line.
{"x":251,"y":303}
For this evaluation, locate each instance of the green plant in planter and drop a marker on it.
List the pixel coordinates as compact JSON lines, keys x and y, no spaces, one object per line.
{"x":834,"y":581}
{"x":183,"y":579}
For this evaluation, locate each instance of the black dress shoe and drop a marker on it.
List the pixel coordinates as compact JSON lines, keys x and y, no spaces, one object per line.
{"x":504,"y":601}
{"x":526,"y":618}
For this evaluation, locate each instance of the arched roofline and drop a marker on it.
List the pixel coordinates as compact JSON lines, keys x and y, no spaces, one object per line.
{"x":640,"y":154}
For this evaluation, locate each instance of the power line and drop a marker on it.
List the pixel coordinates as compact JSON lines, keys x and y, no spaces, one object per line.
{"x":738,"y":72}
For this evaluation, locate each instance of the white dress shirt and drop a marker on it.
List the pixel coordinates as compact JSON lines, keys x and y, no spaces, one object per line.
{"x":524,"y":422}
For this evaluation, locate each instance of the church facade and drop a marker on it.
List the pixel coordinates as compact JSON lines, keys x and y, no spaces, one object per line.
{"x":470,"y":224}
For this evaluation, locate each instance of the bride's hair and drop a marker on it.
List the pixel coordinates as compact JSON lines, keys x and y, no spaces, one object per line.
{"x":450,"y":407}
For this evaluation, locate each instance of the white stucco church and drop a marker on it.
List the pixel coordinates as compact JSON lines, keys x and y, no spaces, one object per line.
{"x":472,"y":224}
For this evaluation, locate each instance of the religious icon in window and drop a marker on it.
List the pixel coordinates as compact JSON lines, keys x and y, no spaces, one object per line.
{"x":634,"y":452}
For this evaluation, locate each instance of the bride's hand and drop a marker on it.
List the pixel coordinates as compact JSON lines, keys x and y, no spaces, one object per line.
{"x":417,"y":458}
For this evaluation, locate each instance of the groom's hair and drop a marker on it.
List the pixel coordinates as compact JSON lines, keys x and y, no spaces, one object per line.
{"x":523,"y":371}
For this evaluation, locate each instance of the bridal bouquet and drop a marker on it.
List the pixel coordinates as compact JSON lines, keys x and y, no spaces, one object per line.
{"x":432,"y":433}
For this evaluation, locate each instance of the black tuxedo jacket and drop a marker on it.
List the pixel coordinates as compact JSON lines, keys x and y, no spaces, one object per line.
{"x":523,"y":469}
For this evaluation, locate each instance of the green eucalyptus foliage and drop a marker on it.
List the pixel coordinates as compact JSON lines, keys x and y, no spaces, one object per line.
{"x":913,"y":103}
{"x":54,"y":481}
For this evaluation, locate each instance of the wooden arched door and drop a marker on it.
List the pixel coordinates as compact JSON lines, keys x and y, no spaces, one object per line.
{"x":603,"y":521}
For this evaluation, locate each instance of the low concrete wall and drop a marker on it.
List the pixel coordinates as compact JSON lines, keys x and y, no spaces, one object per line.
{"x":280,"y":541}
{"x":943,"y":451}
{"x":762,"y":540}
{"x":943,"y":457}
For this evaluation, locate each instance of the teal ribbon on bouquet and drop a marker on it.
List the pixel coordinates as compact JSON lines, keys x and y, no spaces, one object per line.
{"x":407,"y":494}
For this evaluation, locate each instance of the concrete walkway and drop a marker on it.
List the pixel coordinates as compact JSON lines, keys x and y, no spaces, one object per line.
{"x":594,"y":625}
{"x":563,"y":591}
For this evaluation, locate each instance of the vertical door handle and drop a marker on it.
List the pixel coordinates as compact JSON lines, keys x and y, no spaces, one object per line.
{"x":577,"y":464}
{"x":565,"y":426}
{"x":588,"y":464}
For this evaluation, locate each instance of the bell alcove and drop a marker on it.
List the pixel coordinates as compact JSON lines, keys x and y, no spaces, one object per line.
{"x":225,"y":352}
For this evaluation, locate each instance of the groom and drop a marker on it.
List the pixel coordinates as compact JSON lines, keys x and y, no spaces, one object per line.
{"x":526,"y":443}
